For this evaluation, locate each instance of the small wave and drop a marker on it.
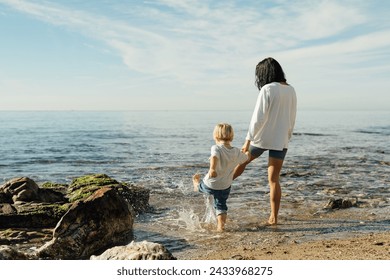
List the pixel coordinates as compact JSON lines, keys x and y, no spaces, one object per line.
{"x":170,"y":168}
{"x":378,"y":130}
{"x":375,"y":132}
{"x":310,"y":134}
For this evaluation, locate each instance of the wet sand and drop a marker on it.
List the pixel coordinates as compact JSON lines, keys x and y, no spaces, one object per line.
{"x":342,"y":234}
{"x":372,"y":246}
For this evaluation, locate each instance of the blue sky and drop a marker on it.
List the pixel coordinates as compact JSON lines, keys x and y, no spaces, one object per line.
{"x":182,"y":54}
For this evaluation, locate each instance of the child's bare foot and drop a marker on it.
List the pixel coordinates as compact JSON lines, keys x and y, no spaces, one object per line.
{"x":221,"y":220}
{"x":220,"y":229}
{"x":196,"y":181}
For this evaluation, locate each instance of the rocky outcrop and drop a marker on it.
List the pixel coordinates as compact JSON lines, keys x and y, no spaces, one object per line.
{"x":92,"y":225}
{"x":92,"y":214}
{"x":23,"y":204}
{"x":136,"y":251}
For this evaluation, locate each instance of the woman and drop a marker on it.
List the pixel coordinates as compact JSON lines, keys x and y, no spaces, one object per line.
{"x":271,"y":126}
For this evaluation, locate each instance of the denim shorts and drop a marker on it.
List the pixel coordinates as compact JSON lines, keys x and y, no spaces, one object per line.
{"x":220,"y":197}
{"x":256,"y":152}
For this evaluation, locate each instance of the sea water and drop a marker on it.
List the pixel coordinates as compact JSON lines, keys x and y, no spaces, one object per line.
{"x":332,"y":154}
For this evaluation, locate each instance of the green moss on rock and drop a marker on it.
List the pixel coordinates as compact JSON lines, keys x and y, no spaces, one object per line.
{"x":83,"y":187}
{"x":63,"y":188}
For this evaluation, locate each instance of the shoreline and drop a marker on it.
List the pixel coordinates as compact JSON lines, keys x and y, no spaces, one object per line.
{"x":349,"y":234}
{"x":306,"y":231}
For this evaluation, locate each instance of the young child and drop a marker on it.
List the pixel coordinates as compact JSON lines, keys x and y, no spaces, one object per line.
{"x":223,"y":160}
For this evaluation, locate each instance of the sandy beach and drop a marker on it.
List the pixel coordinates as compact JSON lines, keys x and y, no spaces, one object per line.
{"x":349,"y":234}
{"x":374,"y":246}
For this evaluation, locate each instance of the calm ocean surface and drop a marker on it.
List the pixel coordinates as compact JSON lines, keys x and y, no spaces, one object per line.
{"x":332,"y":154}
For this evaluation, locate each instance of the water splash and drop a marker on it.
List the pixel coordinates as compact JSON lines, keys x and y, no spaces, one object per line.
{"x":209,"y":216}
{"x":190,"y":220}
{"x":184,"y":186}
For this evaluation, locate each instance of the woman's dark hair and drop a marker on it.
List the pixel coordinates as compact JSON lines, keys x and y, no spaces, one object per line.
{"x":268,"y":71}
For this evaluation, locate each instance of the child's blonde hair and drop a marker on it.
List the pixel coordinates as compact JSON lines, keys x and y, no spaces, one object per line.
{"x":223,"y":132}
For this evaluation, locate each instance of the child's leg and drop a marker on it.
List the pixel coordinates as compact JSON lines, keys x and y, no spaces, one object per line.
{"x":240,"y":168}
{"x":221,"y":221}
{"x":220,"y":197}
{"x":196,"y":181}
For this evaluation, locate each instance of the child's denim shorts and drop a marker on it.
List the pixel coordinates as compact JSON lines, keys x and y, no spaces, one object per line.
{"x":220,"y":197}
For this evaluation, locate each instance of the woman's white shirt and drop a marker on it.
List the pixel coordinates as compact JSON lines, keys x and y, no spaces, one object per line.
{"x":273,"y":118}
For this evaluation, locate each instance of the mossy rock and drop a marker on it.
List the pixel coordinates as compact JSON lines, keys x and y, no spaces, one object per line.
{"x":93,"y":179}
{"x":55,"y":210}
{"x":34,"y":215}
{"x":83,"y":187}
{"x":62,"y":188}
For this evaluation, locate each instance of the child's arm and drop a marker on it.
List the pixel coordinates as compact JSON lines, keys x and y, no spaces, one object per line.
{"x":213,"y":166}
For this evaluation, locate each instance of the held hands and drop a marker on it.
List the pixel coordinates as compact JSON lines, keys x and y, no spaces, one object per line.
{"x":245,"y":147}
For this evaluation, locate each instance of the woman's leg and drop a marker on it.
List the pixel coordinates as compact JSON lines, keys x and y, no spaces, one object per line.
{"x":274,"y":168}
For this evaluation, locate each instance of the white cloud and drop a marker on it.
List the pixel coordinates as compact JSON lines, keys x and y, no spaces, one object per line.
{"x":196,"y":30}
{"x":321,"y":19}
{"x":211,"y":45}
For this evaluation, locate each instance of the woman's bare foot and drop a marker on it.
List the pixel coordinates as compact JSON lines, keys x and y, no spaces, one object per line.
{"x":196,"y":181}
{"x":272,"y":221}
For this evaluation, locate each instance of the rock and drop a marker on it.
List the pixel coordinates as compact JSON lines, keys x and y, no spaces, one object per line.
{"x":91,"y":226}
{"x":83,"y":187}
{"x":50,"y":196}
{"x":100,"y":215}
{"x":26,"y":190}
{"x":138,"y":197}
{"x":24,"y":204}
{"x":61,"y":188}
{"x":24,"y":238}
{"x":237,"y":257}
{"x":136,"y":251}
{"x":4,"y":198}
{"x":31,"y":215}
{"x":9,"y":253}
{"x":7,"y":209}
{"x":21,"y":189}
{"x":340,"y":203}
